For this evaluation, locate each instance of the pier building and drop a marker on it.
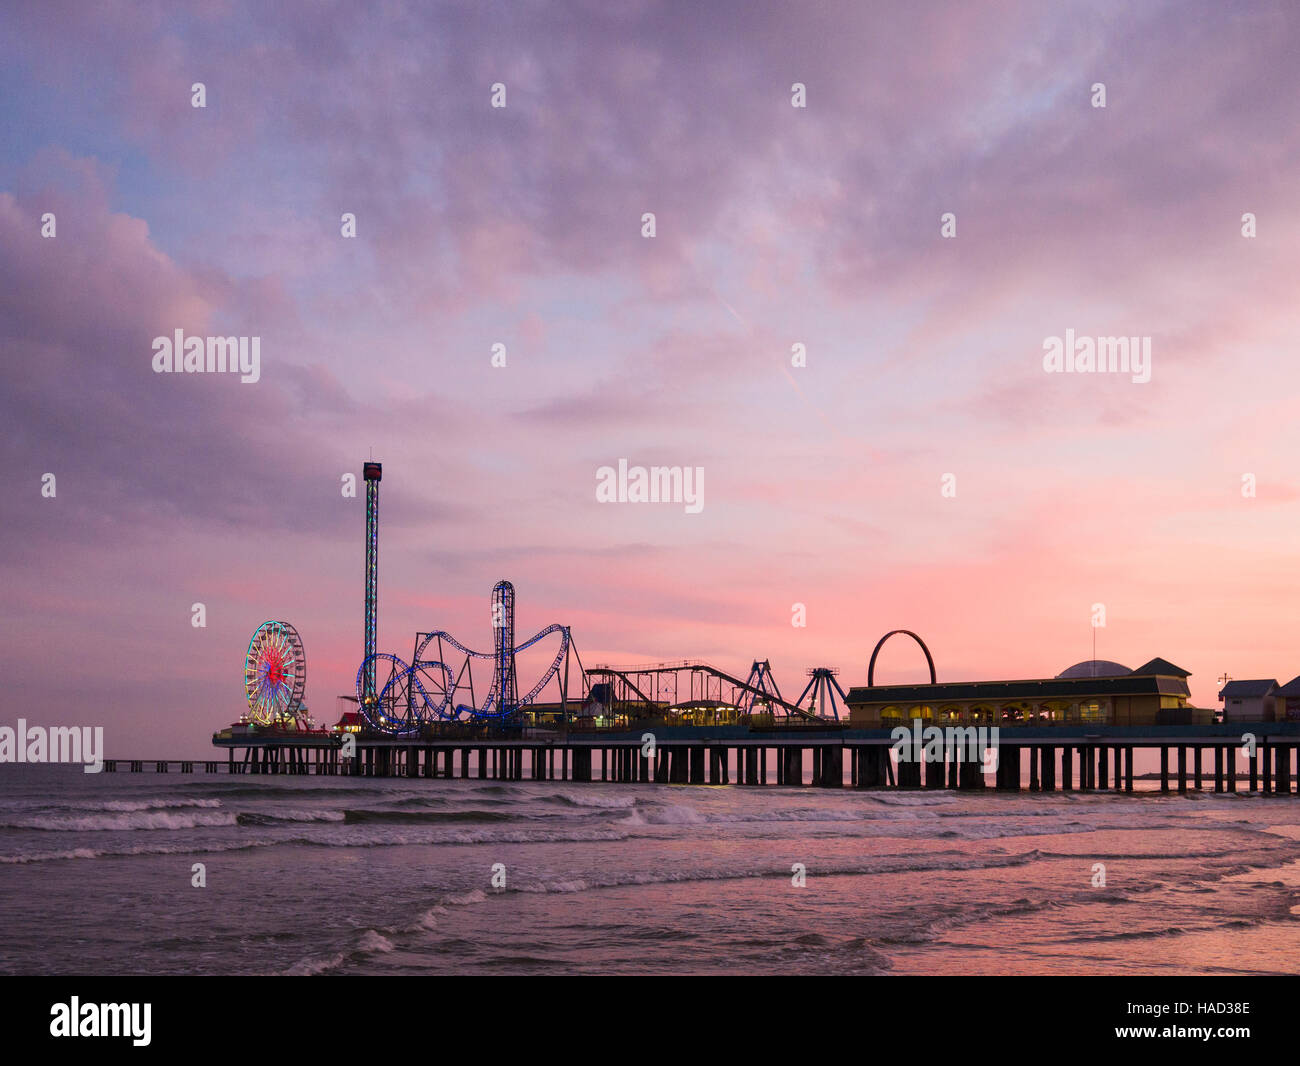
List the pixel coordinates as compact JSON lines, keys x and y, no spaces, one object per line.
{"x":1093,"y":692}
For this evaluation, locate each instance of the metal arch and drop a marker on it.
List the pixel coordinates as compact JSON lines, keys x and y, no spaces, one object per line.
{"x":391,"y":696}
{"x":871,"y":666}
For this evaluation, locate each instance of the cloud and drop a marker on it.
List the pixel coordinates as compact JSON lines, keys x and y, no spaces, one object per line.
{"x":775,"y":225}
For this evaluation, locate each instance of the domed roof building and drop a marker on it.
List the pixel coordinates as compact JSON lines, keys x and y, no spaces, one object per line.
{"x":1095,"y":692}
{"x":1094,"y":668}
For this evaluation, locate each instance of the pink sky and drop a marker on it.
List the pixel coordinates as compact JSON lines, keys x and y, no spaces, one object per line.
{"x":522,"y":225}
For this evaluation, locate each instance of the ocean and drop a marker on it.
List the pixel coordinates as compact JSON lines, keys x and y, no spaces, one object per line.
{"x":332,"y":875}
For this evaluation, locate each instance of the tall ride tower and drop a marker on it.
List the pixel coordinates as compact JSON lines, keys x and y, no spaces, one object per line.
{"x":373,"y":474}
{"x":503,"y":632}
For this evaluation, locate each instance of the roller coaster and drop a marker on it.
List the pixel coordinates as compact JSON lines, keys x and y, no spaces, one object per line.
{"x":643,"y":691}
{"x":427,"y":690}
{"x":437,"y":684}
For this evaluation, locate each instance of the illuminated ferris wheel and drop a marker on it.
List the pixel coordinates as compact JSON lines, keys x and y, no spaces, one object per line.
{"x":275,"y":674}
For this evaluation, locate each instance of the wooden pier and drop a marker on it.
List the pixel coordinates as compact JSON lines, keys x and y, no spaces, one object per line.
{"x":1039,"y":759}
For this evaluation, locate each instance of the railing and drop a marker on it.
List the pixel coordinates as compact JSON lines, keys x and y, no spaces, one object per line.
{"x":1003,"y":723}
{"x":1072,"y":721}
{"x":800,"y":725}
{"x":676,"y":664}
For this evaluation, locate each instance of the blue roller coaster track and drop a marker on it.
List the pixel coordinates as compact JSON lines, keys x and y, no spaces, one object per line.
{"x":425,"y":690}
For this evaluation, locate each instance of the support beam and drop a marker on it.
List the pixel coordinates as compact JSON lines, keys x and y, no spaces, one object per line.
{"x":909,"y":769}
{"x":935,"y":771}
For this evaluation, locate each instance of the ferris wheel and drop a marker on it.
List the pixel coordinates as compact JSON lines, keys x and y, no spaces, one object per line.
{"x":275,"y":674}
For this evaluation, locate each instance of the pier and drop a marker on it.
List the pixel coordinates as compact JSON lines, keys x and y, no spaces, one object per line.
{"x":422,"y":715}
{"x":1191,"y":758}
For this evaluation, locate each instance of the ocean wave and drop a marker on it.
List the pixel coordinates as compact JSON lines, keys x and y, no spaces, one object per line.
{"x":878,"y":864}
{"x":124,"y":821}
{"x":282,"y":817}
{"x":911,"y":799}
{"x":1177,"y":853}
{"x":652,"y":820}
{"x":431,"y":918}
{"x":302,"y":788}
{"x":371,"y":942}
{"x":669,"y":814}
{"x":1162,"y":932}
{"x":158,"y":803}
{"x":922,"y":929}
{"x":657,"y":813}
{"x":374,"y":941}
{"x":133,"y":852}
{"x":591,"y":799}
{"x":440,"y":838}
{"x":32,"y":807}
{"x":579,"y":885}
{"x":383,"y":836}
{"x":362,"y":816}
{"x":311,"y":966}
